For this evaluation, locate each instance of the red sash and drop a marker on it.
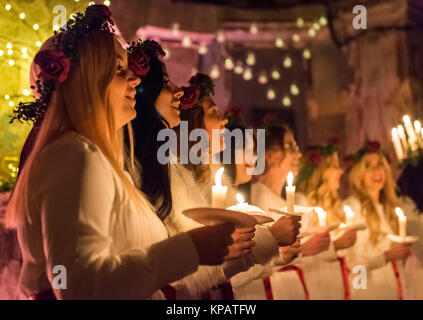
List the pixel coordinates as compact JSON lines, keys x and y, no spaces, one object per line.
{"x":268,"y":285}
{"x":345,"y":278}
{"x":397,"y":277}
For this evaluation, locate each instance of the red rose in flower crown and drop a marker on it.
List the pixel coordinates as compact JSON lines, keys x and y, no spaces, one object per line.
{"x":190,"y":97}
{"x":314,"y":157}
{"x":334,"y":141}
{"x":138,"y":61}
{"x":100,"y":9}
{"x":348,"y":162}
{"x":270,"y":117}
{"x":373,"y":146}
{"x":54,"y":65}
{"x":155,"y":46}
{"x":234,"y":112}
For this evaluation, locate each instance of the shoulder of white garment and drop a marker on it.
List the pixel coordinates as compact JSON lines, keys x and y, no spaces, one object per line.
{"x":301,"y":199}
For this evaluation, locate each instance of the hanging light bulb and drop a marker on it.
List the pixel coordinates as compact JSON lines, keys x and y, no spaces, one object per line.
{"x":323,"y":21}
{"x":262,"y":79}
{"x":22,"y":16}
{"x":229,"y":64}
{"x":300,"y":22}
{"x":286,"y":101}
{"x":316,"y":26}
{"x":11,"y":62}
{"x":306,"y":54}
{"x":271,"y":95}
{"x":214,"y":73}
{"x":9,"y":45}
{"x":294,"y":89}
{"x":275,"y":74}
{"x":220,"y":36}
{"x":278,"y":43}
{"x":251,"y":59}
{"x":175,"y":28}
{"x":25,"y":55}
{"x":56,"y":27}
{"x":26,"y":92}
{"x":24,"y":50}
{"x":11,"y":103}
{"x":10,"y":52}
{"x":239,"y":68}
{"x":7,"y":97}
{"x":107,"y":3}
{"x":253,"y":28}
{"x":311,"y":32}
{"x":287,"y":62}
{"x":186,"y":41}
{"x":202,"y":49}
{"x":1,"y":53}
{"x":248,"y":74}
{"x":296,"y":37}
{"x":8,"y":7}
{"x":38,"y":43}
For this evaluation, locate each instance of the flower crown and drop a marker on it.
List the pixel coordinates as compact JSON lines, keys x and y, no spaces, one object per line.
{"x":369,"y":147}
{"x":235,"y":117}
{"x":201,"y":85}
{"x":272,"y":119}
{"x":55,"y":63}
{"x":139,"y":54}
{"x":314,"y":156}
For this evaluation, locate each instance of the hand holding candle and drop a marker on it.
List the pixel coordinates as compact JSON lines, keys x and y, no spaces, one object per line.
{"x":290,"y":193}
{"x":402,"y":219}
{"x":219,"y":191}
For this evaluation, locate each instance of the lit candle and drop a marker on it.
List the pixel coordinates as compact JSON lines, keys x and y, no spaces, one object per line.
{"x":219,"y":191}
{"x":402,"y":219}
{"x":241,"y":206}
{"x":321,"y":215}
{"x":290,"y":193}
{"x":397,"y":144}
{"x":410,"y":132}
{"x":403,"y":139}
{"x":349,"y":215}
{"x":418,"y":128}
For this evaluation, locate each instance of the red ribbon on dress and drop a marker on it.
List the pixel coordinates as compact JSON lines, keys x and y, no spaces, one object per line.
{"x":345,"y":278}
{"x":397,"y":277}
{"x":268,"y":285}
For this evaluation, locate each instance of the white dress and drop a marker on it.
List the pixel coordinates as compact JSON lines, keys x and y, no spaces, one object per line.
{"x":285,"y":285}
{"x":381,"y":280}
{"x":323,"y":272}
{"x":81,"y":218}
{"x":186,"y":194}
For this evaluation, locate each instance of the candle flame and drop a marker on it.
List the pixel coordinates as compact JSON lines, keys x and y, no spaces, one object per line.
{"x":218,"y":177}
{"x":348,"y":211}
{"x":400,"y":213}
{"x":290,"y":178}
{"x":240,"y":198}
{"x":406,"y":119}
{"x":321,"y":214}
{"x":394,"y":133}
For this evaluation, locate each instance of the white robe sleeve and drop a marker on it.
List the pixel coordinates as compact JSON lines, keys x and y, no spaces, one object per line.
{"x":75,"y":191}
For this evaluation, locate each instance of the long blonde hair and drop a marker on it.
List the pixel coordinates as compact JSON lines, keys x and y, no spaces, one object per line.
{"x":388,"y":197}
{"x":81,"y":104}
{"x":318,"y":192}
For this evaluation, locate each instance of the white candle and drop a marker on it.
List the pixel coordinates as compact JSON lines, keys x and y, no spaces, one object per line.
{"x":290,"y":193}
{"x":402,"y":219}
{"x":219,"y":191}
{"x":321,"y":215}
{"x":244,"y":207}
{"x":397,"y":144}
{"x":418,"y":128}
{"x":410,"y":132}
{"x":403,"y":139}
{"x":349,"y":214}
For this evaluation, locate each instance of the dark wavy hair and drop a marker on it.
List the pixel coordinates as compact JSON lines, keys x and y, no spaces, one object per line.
{"x":410,"y":183}
{"x":155,"y":182}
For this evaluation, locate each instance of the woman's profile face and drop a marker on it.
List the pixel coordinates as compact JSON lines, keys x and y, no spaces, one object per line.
{"x":291,"y":154}
{"x":122,"y":88}
{"x":333,"y":173}
{"x":213,"y":120}
{"x":167,"y":103}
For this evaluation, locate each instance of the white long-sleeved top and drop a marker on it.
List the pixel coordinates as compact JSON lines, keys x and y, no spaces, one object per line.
{"x":81,"y":218}
{"x":381,"y":280}
{"x":186,"y":194}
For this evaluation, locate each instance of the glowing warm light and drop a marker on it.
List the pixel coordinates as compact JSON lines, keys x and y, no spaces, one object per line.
{"x":253,"y":28}
{"x":215,"y":73}
{"x":175,"y":28}
{"x":287,"y":62}
{"x":202,"y":49}
{"x":248,"y":74}
{"x":239,"y":68}
{"x":186,"y":41}
{"x":38,"y":43}
{"x":251,"y":59}
{"x":286,"y":101}
{"x":316,"y":26}
{"x":399,"y":213}
{"x":218,"y":177}
{"x":8,"y":7}
{"x":349,"y":214}
{"x":262,"y":79}
{"x":275,"y":75}
{"x":11,"y":103}
{"x":279,"y":43}
{"x":321,"y":215}
{"x":22,"y":15}
{"x":107,"y":3}
{"x":220,"y":36}
{"x":311,"y":32}
{"x":240,"y":198}
{"x":402,"y":219}
{"x":7,"y":97}
{"x":271,"y":94}
{"x":1,"y":53}
{"x":290,"y":179}
{"x":9,"y":45}
{"x":401,"y":131}
{"x":294,"y":89}
{"x":24,"y":50}
{"x":323,"y":21}
{"x":296,"y":37}
{"x":26,"y":92}
{"x":229,"y":64}
{"x":300,"y":22}
{"x":10,"y":52}
{"x":417,"y":125}
{"x":36,"y":27}
{"x":306,"y":54}
{"x":11,"y":62}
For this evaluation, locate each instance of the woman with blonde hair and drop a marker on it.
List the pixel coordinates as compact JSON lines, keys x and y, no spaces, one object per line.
{"x":373,"y":202}
{"x":318,"y":184}
{"x":76,"y":209}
